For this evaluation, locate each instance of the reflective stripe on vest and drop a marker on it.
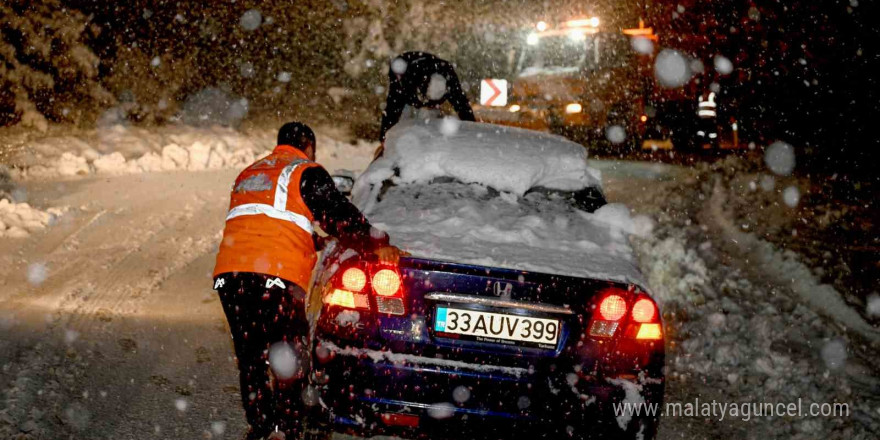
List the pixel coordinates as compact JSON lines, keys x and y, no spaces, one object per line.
{"x":707,"y":103}
{"x":279,"y":209}
{"x":706,"y":109}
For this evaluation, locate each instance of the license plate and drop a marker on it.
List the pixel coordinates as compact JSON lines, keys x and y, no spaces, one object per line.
{"x":497,"y":328}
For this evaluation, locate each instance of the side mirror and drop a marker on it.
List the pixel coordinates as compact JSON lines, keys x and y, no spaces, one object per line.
{"x":344,"y":183}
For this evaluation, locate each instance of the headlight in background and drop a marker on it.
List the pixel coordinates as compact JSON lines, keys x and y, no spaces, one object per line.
{"x":514,"y":108}
{"x":573,"y":108}
{"x":577,"y":35}
{"x":532,"y":39}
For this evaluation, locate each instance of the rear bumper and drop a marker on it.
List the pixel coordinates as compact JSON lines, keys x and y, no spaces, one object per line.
{"x":367,"y":390}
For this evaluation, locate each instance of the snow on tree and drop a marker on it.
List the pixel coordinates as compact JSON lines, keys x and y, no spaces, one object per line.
{"x":48,"y":72}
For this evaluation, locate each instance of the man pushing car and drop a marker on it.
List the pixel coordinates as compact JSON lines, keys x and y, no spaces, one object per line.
{"x":264,"y":266}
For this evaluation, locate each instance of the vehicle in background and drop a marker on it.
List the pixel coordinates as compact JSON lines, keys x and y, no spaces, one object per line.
{"x":578,"y":79}
{"x":519,"y":310}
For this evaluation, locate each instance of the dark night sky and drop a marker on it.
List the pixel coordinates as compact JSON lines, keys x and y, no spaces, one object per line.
{"x":805,"y":71}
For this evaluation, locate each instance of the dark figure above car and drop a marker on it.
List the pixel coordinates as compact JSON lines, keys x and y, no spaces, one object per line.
{"x":422,"y":80}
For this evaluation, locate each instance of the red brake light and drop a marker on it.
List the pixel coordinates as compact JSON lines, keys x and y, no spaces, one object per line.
{"x":612,"y":308}
{"x":644,"y":310}
{"x":386,"y":282}
{"x":354,"y":279}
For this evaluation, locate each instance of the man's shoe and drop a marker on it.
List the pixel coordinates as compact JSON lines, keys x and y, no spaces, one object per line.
{"x":258,"y":435}
{"x":276,"y":435}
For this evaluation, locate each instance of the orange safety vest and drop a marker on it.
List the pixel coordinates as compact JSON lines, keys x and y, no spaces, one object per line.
{"x":269,"y":228}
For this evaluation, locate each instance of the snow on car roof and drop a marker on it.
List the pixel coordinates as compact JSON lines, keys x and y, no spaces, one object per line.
{"x":505,"y":158}
{"x":463,"y":221}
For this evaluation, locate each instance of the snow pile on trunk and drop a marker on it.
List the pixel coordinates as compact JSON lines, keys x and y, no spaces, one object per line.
{"x":19,"y":220}
{"x":468,"y":223}
{"x":505,"y":158}
{"x":461,"y":193}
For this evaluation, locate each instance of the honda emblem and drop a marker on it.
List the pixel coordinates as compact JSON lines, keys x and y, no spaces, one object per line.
{"x":503,"y":289}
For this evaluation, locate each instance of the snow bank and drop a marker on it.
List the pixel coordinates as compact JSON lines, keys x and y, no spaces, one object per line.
{"x":19,"y":220}
{"x":747,"y":321}
{"x":675,"y":272}
{"x":786,"y":268}
{"x":126,"y":150}
{"x":505,"y":158}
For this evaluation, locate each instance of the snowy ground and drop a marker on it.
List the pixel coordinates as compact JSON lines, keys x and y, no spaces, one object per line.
{"x":109,"y":328}
{"x":747,"y":322}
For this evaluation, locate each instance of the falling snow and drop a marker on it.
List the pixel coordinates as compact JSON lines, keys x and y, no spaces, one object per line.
{"x":671,"y":68}
{"x":246,"y":69}
{"x":449,"y":126}
{"x":779,"y":157}
{"x":643,"y":45}
{"x":251,"y":20}
{"x":768,"y":183}
{"x":873,"y":306}
{"x":723,"y":65}
{"x":441,"y":411}
{"x":615,"y":134}
{"x":37,"y":273}
{"x":834,"y":354}
{"x":461,"y":394}
{"x":125,"y":125}
{"x":283,"y":359}
{"x":791,"y":195}
{"x":436,"y":87}
{"x":398,"y":66}
{"x":218,"y":428}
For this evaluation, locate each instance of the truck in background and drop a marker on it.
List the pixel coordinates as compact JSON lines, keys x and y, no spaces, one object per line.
{"x":579,"y":80}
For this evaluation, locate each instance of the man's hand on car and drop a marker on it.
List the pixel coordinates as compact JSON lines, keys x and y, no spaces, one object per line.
{"x":388,"y":254}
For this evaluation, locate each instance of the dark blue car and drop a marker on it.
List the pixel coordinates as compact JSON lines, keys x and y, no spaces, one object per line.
{"x":444,"y":347}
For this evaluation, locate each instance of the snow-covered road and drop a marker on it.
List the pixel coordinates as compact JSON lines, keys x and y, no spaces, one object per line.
{"x":109,"y":327}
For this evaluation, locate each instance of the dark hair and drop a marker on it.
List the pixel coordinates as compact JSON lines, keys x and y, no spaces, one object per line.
{"x":296,"y":134}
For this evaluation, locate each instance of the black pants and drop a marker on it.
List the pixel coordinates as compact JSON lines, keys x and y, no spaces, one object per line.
{"x":269,"y":327}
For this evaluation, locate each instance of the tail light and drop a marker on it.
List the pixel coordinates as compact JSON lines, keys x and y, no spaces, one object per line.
{"x":612,"y":308}
{"x":347,"y":290}
{"x":354,"y":279}
{"x":643,"y":322}
{"x":386,"y":285}
{"x":386,"y":282}
{"x":352,"y":288}
{"x":644,"y":310}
